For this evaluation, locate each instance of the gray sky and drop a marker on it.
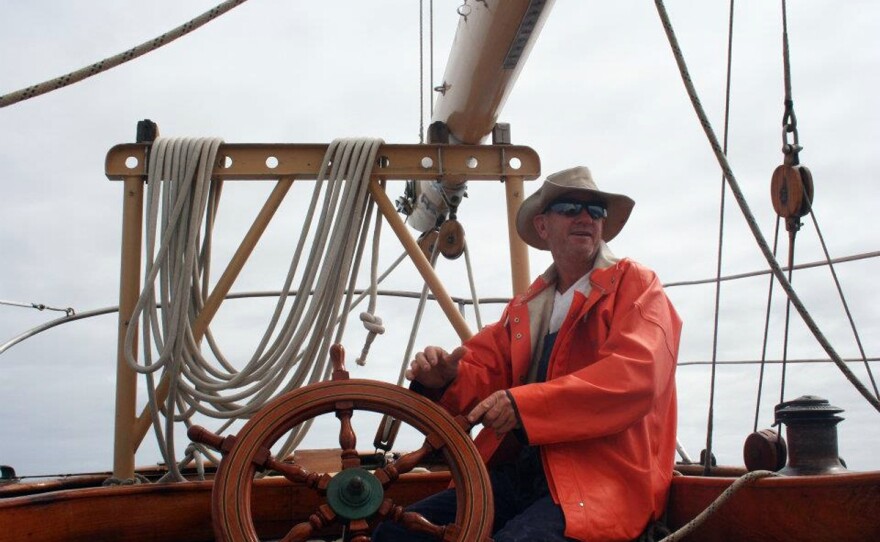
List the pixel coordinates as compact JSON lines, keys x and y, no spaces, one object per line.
{"x":600,"y":89}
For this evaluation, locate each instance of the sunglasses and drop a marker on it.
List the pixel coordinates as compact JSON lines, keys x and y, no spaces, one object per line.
{"x":596,"y":210}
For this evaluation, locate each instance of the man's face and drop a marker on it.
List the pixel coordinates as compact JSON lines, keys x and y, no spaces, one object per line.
{"x":570,"y":229}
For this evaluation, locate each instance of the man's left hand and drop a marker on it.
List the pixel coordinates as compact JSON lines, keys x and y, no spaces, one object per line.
{"x":495,"y":412}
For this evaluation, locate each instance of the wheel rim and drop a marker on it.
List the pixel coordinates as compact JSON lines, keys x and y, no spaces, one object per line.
{"x":231,"y":500}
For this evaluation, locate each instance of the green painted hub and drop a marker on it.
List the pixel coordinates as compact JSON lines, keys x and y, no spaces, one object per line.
{"x":354,"y":494}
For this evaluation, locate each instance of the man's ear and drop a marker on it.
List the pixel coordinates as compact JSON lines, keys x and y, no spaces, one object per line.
{"x":540,"y":223}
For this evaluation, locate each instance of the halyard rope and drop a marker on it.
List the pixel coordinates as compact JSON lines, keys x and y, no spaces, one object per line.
{"x":121,"y":58}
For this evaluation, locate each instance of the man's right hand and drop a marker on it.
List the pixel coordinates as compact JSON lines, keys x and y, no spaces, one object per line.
{"x":435,"y":368}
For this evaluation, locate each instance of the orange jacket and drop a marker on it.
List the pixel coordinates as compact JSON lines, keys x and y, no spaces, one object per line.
{"x":605,"y":419}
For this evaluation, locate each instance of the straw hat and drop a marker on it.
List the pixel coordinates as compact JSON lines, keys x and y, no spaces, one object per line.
{"x":574,"y":182}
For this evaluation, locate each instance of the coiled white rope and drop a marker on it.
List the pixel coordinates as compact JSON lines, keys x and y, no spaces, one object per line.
{"x":178,"y":193}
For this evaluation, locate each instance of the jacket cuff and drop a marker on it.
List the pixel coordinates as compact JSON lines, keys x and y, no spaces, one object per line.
{"x":520,"y":431}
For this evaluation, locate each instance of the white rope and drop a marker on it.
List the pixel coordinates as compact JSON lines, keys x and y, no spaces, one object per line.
{"x":417,"y":320}
{"x":121,"y":58}
{"x":470,"y":274}
{"x":385,"y":424}
{"x":293,"y":350}
{"x":371,"y":322}
{"x":682,"y":453}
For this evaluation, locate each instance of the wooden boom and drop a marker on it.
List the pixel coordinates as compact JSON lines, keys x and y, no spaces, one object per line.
{"x":492,"y":42}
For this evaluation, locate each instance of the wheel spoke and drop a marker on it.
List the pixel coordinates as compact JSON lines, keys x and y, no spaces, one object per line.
{"x":347,"y":436}
{"x":416,"y":522}
{"x":297,"y":474}
{"x":300,"y":532}
{"x":323,"y":517}
{"x":408,"y":462}
{"x":359,"y":531}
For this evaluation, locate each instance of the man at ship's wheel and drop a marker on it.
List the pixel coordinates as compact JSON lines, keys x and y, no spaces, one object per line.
{"x":575,"y":385}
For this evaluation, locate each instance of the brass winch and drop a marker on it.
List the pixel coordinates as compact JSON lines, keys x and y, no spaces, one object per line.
{"x":811,"y":447}
{"x":811,"y":429}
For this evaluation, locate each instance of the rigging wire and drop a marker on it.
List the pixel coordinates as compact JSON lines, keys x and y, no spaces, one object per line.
{"x":39,"y":306}
{"x":775,"y":361}
{"x":790,"y":150}
{"x":766,"y":330}
{"x":790,"y":125}
{"x":747,"y":213}
{"x":808,"y":265}
{"x":789,"y":120}
{"x":711,"y":416}
{"x":849,"y":315}
{"x":121,"y":58}
{"x":787,"y":321}
{"x":415,"y":295}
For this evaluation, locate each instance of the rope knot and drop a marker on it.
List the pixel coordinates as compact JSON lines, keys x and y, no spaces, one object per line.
{"x":374,"y":325}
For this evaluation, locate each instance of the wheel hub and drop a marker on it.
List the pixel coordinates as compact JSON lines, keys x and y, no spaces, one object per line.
{"x":354,"y":494}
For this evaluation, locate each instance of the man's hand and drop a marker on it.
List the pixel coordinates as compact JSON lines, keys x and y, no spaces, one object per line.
{"x":496,"y":412}
{"x":435,"y":368}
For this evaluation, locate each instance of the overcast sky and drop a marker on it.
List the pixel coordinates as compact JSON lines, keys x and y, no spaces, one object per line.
{"x":600,"y":89}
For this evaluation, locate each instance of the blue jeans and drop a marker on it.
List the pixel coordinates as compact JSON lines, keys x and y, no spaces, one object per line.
{"x":524,"y":509}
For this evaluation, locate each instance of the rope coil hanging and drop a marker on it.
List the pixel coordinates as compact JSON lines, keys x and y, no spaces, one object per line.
{"x":293,"y":350}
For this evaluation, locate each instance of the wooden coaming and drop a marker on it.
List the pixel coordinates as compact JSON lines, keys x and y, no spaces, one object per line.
{"x":843,"y":507}
{"x":839,"y":508}
{"x":170,"y":512}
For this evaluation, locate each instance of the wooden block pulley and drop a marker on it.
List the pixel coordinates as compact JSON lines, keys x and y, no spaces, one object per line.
{"x":451,"y":239}
{"x":791,"y":191}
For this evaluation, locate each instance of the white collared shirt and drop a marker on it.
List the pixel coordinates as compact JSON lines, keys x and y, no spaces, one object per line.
{"x":562,"y":301}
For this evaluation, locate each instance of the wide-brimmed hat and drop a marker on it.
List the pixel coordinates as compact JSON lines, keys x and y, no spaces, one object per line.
{"x":575,"y":182}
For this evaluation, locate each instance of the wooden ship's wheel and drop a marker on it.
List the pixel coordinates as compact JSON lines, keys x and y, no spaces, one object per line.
{"x":354,"y":496}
